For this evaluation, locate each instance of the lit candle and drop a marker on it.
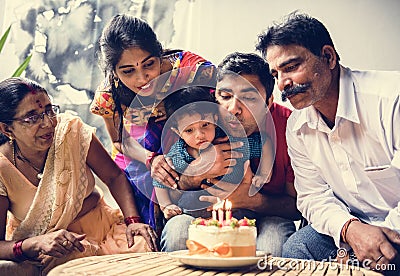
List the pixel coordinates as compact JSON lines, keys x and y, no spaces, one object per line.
{"x":214,"y":212}
{"x":228,"y":209}
{"x":221,"y":215}
{"x":220,"y":206}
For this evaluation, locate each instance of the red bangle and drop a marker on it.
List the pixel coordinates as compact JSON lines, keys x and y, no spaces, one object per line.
{"x":345,"y":227}
{"x":18,"y":253}
{"x":150,"y":158}
{"x":133,"y":219}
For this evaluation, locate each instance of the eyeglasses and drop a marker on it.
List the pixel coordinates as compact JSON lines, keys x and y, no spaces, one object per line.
{"x":34,"y":119}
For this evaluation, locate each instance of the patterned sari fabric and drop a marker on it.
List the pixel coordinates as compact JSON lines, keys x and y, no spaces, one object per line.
{"x":59,"y":197}
{"x":139,"y":120}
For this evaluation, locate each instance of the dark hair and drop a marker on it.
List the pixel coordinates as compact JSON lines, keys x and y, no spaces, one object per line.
{"x":297,"y":29}
{"x":12,"y":92}
{"x":190,"y":100}
{"x":122,"y":32}
{"x":248,"y":64}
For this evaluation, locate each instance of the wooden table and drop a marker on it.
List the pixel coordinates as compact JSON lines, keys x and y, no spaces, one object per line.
{"x":162,"y":264}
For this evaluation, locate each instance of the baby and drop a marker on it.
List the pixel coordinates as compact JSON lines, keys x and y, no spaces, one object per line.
{"x":194,"y":115}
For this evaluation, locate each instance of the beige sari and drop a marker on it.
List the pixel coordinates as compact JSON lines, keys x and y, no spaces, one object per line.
{"x":66,"y":181}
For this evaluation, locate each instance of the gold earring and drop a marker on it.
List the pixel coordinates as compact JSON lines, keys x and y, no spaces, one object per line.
{"x":11,"y":141}
{"x":116,"y":82}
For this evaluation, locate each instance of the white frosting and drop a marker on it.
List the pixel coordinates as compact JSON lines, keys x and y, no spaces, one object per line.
{"x":209,"y":236}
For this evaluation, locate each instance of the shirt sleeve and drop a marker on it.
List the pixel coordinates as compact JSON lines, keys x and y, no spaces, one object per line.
{"x":315,"y":199}
{"x":179,"y":156}
{"x":394,"y":134}
{"x":3,"y":189}
{"x":103,"y":102}
{"x":392,"y":220}
{"x":158,"y":184}
{"x":255,"y":145}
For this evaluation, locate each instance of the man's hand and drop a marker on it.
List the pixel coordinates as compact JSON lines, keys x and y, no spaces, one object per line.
{"x":162,"y":171}
{"x":260,"y":179}
{"x":239,"y":194}
{"x":373,"y":243}
{"x":217,"y":160}
{"x":245,"y":195}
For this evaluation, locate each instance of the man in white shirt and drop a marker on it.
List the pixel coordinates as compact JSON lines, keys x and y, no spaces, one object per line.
{"x":344,"y":142}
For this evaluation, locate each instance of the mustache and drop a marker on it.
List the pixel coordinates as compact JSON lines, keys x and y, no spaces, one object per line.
{"x":231,"y":118}
{"x":300,"y":88}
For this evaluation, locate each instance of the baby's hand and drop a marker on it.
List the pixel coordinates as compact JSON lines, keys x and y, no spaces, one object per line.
{"x":260,"y":179}
{"x":171,"y":211}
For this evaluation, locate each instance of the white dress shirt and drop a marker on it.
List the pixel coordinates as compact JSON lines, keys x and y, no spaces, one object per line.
{"x":352,"y":170}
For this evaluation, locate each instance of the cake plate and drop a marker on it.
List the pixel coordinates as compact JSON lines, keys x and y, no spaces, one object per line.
{"x":210,"y":262}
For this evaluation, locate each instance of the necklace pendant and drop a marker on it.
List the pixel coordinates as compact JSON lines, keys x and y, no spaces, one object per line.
{"x":39,"y":176}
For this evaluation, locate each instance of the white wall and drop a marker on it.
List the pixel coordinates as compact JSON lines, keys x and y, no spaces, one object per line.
{"x":365,"y":32}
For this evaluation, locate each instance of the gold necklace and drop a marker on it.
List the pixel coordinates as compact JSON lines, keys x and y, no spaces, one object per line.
{"x":143,"y":112}
{"x":143,"y":106}
{"x":17,"y":152}
{"x":141,"y":103}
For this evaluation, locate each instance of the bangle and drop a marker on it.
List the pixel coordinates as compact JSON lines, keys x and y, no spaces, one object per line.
{"x":18,"y":253}
{"x":343,"y":233}
{"x":150,"y":158}
{"x":132,"y":219}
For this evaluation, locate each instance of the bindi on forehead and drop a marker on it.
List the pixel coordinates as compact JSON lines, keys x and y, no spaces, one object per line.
{"x":39,"y":103}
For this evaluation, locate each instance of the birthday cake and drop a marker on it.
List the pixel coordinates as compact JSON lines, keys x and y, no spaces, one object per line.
{"x":231,"y":238}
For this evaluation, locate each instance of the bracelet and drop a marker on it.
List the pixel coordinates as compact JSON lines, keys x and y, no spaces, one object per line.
{"x":345,"y":227}
{"x":132,"y":219}
{"x":150,"y":158}
{"x":18,"y":253}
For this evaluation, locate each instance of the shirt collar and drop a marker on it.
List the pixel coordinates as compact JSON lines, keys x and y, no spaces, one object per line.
{"x":346,"y":105}
{"x":347,"y":108}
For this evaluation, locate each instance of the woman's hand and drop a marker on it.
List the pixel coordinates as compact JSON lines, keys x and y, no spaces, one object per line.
{"x":162,"y":171}
{"x":143,"y":230}
{"x":159,"y":112}
{"x":56,"y":244}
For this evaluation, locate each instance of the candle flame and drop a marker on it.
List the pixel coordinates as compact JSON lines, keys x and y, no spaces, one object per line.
{"x":228,"y":204}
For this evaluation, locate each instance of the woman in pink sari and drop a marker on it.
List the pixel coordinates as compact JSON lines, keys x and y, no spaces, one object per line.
{"x":138,"y":75}
{"x":47,"y":187}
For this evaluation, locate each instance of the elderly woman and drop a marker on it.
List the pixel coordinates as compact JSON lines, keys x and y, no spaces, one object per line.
{"x":48,"y":189}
